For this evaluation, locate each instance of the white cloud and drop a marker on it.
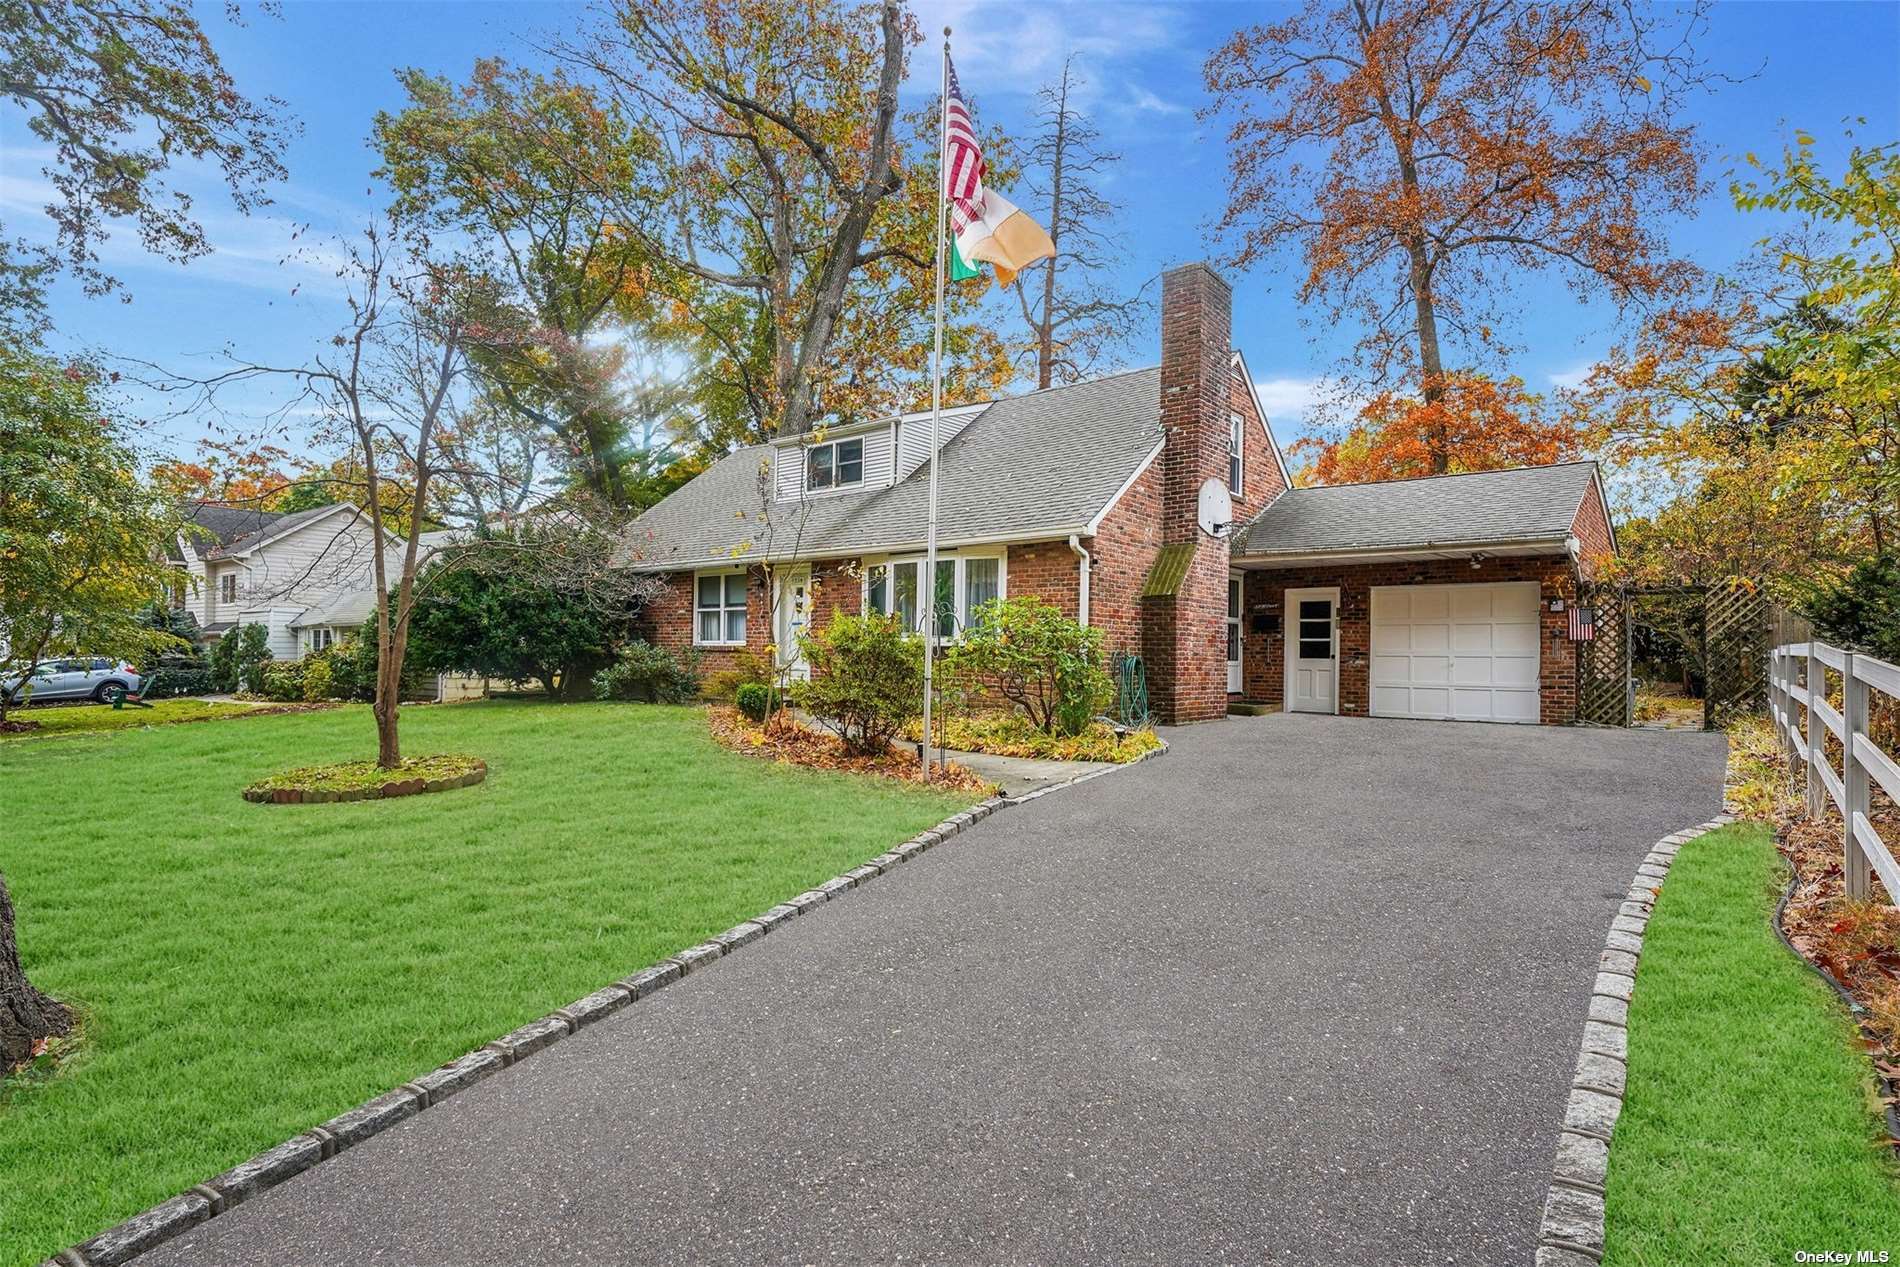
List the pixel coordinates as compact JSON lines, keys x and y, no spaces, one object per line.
{"x":1572,"y":378}
{"x":1288,"y":399}
{"x":1143,"y":101}
{"x":1003,"y":46}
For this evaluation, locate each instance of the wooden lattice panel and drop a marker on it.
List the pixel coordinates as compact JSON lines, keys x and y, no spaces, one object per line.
{"x":1737,"y":620}
{"x":1603,"y":674}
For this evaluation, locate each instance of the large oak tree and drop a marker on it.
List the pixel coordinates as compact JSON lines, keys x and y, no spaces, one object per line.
{"x":793,"y":247}
{"x":1423,"y":157}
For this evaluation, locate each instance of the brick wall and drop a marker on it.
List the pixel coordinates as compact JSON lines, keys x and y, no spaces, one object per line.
{"x":668,"y":620}
{"x":1260,"y":479}
{"x":1121,"y":555}
{"x":1264,"y":655}
{"x":1184,"y":634}
{"x":1050,"y":571}
{"x":1592,"y":531}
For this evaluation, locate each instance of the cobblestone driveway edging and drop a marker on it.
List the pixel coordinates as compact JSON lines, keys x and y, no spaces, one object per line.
{"x":1572,"y":1231}
{"x":126,"y":1241}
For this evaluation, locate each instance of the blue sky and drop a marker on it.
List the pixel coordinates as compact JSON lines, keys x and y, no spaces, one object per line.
{"x":1818,"y":65}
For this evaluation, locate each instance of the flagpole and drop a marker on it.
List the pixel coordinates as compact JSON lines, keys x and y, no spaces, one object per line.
{"x":928,"y":588}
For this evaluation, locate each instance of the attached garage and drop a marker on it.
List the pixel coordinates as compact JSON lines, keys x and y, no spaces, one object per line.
{"x":1456,"y":652}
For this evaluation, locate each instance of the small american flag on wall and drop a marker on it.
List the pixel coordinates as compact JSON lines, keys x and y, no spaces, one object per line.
{"x":1583,"y":623}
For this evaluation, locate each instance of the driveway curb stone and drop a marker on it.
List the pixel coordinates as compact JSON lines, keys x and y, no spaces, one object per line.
{"x":1572,"y":1231}
{"x":148,"y":1229}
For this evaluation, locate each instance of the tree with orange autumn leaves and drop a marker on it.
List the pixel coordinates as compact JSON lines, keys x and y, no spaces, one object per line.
{"x":1421,"y":156}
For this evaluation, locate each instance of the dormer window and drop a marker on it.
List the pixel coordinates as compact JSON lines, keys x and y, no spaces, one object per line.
{"x":835,"y":465}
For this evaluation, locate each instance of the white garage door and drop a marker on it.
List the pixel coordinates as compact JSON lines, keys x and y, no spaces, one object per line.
{"x":1465,"y":652}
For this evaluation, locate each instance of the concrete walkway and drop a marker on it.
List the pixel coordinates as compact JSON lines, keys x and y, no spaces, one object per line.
{"x":1017,"y":775}
{"x":1304,"y":990}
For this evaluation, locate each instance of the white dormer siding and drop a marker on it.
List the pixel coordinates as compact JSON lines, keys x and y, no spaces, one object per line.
{"x":913,"y":435}
{"x":893,"y":449}
{"x":789,"y":460}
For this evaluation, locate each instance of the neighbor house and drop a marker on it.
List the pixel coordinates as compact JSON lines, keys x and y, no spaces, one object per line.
{"x":305,"y":576}
{"x":1155,"y":505}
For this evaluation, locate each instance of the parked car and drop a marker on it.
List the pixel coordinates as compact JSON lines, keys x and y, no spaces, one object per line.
{"x":78,"y":677}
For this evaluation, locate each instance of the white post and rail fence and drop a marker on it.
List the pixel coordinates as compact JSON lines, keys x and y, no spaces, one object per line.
{"x":1799,"y":698}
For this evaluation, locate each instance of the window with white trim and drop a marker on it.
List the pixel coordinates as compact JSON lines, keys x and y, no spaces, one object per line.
{"x":227,"y":588}
{"x":835,"y":465}
{"x":719,"y":609}
{"x":1236,"y":450}
{"x":318,"y":639}
{"x":894,"y":587}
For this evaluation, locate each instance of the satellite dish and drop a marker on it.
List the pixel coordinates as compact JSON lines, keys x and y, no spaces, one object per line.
{"x":1216,"y":509}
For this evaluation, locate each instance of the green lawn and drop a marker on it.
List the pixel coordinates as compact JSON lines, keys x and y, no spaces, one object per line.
{"x":1750,"y":1128}
{"x":248,"y":971}
{"x":67,"y":719}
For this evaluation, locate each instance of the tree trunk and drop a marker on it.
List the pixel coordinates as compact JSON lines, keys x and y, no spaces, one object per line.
{"x":1431,"y":365}
{"x":26,"y":1015}
{"x":1046,"y":328}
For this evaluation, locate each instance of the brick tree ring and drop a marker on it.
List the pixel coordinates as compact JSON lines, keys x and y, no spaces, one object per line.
{"x":1572,"y":1230}
{"x":365,"y":781}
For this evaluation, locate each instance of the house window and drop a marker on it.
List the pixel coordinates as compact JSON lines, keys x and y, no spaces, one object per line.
{"x":318,"y":639}
{"x":1235,"y":451}
{"x":227,"y":588}
{"x":964,"y":584}
{"x":719,"y":609}
{"x":835,"y":465}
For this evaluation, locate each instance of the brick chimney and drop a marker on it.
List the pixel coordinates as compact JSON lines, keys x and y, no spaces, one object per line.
{"x":1184,"y":631}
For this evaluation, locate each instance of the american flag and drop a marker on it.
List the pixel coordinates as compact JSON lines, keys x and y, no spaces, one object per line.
{"x":963,"y":167}
{"x":1583,"y":623}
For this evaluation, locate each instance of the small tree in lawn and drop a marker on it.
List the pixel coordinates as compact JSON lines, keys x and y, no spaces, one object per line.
{"x":385,"y":387}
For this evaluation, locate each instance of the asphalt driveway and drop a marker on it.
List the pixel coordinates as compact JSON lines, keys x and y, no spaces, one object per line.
{"x":1303,"y":990}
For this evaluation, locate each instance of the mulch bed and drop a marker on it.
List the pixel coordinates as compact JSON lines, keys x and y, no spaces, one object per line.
{"x":788,"y":742}
{"x":1854,"y":943}
{"x":10,"y":727}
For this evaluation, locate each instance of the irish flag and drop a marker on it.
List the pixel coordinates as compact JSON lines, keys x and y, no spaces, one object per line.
{"x":988,"y":226}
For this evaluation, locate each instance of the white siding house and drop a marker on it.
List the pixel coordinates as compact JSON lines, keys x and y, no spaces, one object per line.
{"x":306,"y":577}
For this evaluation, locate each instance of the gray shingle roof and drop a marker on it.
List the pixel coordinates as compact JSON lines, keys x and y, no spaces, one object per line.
{"x":1046,"y":462}
{"x":225,"y":524}
{"x":1535,"y":503}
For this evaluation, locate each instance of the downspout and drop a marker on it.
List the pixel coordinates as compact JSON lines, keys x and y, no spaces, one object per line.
{"x":1082,"y":595}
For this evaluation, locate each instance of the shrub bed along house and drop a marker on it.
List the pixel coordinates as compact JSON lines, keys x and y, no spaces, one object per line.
{"x":1011,"y":735}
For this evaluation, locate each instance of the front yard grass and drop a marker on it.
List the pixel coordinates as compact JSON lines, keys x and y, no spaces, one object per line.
{"x":1750,"y":1128}
{"x":246,"y":971}
{"x":67,"y":719}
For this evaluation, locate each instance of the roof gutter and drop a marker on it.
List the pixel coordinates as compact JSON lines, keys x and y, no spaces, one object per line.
{"x":1056,"y":533}
{"x":1423,"y":549}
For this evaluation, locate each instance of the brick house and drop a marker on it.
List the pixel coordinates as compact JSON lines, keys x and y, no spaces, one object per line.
{"x":1440,"y":597}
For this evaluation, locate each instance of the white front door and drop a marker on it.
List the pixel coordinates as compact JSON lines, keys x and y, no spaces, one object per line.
{"x":1312,"y":651}
{"x":1233,"y":632}
{"x":1458,"y":652}
{"x":794,"y":615}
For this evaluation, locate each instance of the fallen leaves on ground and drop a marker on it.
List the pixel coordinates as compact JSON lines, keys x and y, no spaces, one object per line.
{"x":1855,"y":942}
{"x":785,"y":741}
